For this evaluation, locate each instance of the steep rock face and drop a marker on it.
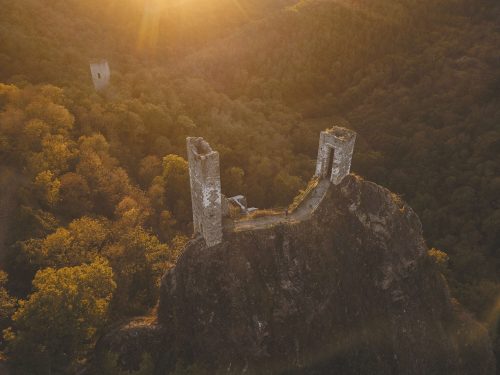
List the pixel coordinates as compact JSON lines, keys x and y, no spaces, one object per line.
{"x":350,"y":290}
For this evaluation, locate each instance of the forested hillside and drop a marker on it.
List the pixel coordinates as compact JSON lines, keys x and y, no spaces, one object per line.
{"x":101,"y":182}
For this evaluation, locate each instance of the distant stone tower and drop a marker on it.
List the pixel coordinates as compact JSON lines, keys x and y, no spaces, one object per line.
{"x":206,"y":197}
{"x":100,"y":73}
{"x":336,"y":146}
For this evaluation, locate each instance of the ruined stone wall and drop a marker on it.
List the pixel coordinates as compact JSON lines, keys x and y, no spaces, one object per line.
{"x":349,"y":290}
{"x":209,"y":205}
{"x":100,"y":74}
{"x":206,"y":197}
{"x":340,"y":142}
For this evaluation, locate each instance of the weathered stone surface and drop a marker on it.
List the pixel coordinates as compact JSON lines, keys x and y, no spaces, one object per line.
{"x":336,"y":146}
{"x":101,"y":74}
{"x":349,"y":290}
{"x":206,"y":197}
{"x":343,"y":285}
{"x":126,"y":346}
{"x":209,"y":205}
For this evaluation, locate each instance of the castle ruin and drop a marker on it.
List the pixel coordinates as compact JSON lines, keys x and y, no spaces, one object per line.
{"x":206,"y":197}
{"x":100,"y":72}
{"x":336,"y":146}
{"x":209,"y":205}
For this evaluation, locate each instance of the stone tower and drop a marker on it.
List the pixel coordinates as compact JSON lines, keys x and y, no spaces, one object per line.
{"x":100,"y":73}
{"x":206,"y":194}
{"x":336,"y":146}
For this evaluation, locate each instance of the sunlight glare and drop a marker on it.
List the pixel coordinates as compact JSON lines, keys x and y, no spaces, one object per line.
{"x":150,"y":25}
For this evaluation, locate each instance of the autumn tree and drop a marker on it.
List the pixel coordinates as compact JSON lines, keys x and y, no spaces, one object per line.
{"x":138,"y":259}
{"x":81,"y":242}
{"x":175,"y":182}
{"x":107,"y":181}
{"x":61,"y":319}
{"x":8,"y":303}
{"x":74,"y":195}
{"x":149,"y":168}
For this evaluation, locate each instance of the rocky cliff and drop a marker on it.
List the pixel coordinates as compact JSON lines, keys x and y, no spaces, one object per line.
{"x":348,"y":290}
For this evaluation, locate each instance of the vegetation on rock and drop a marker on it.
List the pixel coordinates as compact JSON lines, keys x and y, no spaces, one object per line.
{"x":101,"y":179}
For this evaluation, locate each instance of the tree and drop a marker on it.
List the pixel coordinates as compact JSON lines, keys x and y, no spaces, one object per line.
{"x":288,"y":186}
{"x":149,"y":168}
{"x":138,"y":259}
{"x":34,"y":131}
{"x":177,"y":190}
{"x":8,"y":94}
{"x":233,"y":181}
{"x":166,"y":225}
{"x":133,"y":211}
{"x":7,"y":303}
{"x":108,"y":183}
{"x":47,"y":188}
{"x":46,"y":105}
{"x":60,"y":321}
{"x":81,"y":242}
{"x":56,"y":155}
{"x":74,"y":193}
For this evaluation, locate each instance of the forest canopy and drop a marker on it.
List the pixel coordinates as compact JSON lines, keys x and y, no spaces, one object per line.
{"x":94,"y":185}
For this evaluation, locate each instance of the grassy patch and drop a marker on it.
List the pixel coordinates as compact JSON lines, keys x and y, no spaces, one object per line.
{"x":303,"y":194}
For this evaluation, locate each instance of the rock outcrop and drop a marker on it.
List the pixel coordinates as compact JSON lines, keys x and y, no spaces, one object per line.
{"x":349,"y":290}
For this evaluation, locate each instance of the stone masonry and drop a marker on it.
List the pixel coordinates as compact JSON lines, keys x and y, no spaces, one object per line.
{"x":100,"y":73}
{"x":336,"y":146}
{"x":209,"y":205}
{"x":206,"y":197}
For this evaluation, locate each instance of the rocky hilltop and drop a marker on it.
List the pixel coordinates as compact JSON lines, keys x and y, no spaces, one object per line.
{"x":349,"y":289}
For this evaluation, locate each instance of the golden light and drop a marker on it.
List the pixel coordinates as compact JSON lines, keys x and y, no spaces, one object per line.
{"x":178,"y":15}
{"x":150,"y":25}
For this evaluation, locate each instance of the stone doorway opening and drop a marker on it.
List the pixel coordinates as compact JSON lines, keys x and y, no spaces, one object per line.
{"x":329,"y":165}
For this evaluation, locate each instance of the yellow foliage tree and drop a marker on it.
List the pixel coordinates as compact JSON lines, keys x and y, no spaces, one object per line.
{"x":59,"y":322}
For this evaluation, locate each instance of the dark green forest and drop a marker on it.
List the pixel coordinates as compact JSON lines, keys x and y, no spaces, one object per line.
{"x":94,"y":187}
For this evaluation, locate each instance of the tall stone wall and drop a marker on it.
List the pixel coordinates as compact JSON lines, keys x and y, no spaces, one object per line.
{"x":206,"y":197}
{"x":100,"y":74}
{"x":336,"y":146}
{"x":209,"y":205}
